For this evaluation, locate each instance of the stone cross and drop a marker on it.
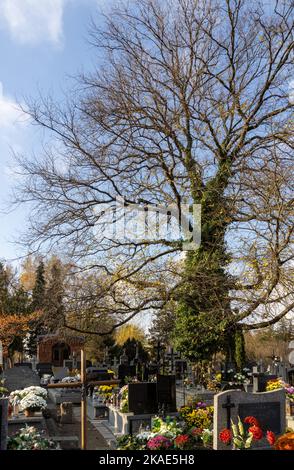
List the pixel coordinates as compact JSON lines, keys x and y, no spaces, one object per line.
{"x":124,"y":360}
{"x":228,"y":406}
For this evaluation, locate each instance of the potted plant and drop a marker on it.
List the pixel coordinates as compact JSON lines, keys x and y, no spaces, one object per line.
{"x":32,"y":403}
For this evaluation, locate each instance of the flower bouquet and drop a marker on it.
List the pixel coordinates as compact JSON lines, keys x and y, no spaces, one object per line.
{"x":274,"y":384}
{"x":159,"y":443}
{"x":124,"y":399}
{"x":106,"y":391}
{"x":29,"y":438}
{"x":31,"y":403}
{"x":242,"y":437}
{"x":285,"y":442}
{"x":71,"y":379}
{"x":198,"y":415}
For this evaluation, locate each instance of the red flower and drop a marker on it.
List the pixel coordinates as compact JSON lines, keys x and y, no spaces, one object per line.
{"x":182,"y":440}
{"x":252,"y":421}
{"x":225,"y":436}
{"x":271,"y":438}
{"x":256,"y":431}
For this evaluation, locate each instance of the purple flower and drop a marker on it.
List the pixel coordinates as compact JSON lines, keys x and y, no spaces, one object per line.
{"x":201,"y":404}
{"x":159,"y":442}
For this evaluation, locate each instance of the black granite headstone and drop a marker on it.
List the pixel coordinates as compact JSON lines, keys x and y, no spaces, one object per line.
{"x":268,"y":414}
{"x":44,"y":368}
{"x":143,"y":398}
{"x":166,"y":392}
{"x":126,"y":371}
{"x":260,"y":381}
{"x":291,"y":377}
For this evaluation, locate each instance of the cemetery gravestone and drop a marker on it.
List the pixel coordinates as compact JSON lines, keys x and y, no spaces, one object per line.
{"x":143,"y":398}
{"x":23,"y":364}
{"x":68,"y":363}
{"x":268,"y":408}
{"x":260,"y":381}
{"x":282,"y":371}
{"x":126,"y":371}
{"x":44,"y":368}
{"x":291,"y":377}
{"x":60,"y":373}
{"x":166,"y":392}
{"x":3,"y":423}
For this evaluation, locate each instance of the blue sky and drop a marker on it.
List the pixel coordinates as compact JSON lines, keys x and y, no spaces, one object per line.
{"x":41,"y":43}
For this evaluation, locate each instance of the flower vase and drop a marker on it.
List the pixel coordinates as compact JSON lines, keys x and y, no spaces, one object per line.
{"x":29,"y":413}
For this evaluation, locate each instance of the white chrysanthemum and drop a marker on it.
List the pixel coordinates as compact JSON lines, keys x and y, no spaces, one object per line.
{"x":40,"y":391}
{"x":32,"y":402}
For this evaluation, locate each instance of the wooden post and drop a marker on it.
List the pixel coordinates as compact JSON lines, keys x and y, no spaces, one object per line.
{"x":83,"y":401}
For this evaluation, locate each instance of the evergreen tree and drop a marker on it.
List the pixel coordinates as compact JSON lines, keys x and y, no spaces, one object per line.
{"x":19,"y":301}
{"x":163,"y":325}
{"x":37,"y":303}
{"x":4,"y":289}
{"x":38,"y":296}
{"x":240,"y":354}
{"x":53,"y":307}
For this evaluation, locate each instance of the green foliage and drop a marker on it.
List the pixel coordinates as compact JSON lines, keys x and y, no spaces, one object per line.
{"x":39,"y":291}
{"x":37,"y":303}
{"x":28,"y":438}
{"x":240,"y":355}
{"x":204,"y":321}
{"x":163,"y":325}
{"x":53,"y":305}
{"x":4,"y":289}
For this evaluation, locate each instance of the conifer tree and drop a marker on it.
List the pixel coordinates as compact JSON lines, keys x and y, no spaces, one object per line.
{"x":37,"y":327}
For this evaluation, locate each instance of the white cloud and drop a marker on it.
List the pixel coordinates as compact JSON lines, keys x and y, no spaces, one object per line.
{"x":10,"y":115}
{"x":14,"y":128}
{"x":33,"y":21}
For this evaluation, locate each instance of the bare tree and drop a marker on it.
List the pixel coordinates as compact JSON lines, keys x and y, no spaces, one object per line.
{"x":190,"y":101}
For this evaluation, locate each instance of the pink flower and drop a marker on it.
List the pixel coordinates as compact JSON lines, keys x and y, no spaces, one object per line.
{"x":159,"y":442}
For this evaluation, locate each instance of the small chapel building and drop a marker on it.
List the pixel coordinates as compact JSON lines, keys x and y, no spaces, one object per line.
{"x":55,"y":348}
